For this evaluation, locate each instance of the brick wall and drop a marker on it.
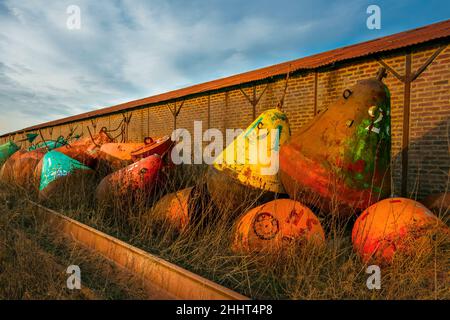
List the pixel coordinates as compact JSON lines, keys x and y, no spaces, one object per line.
{"x":429,"y":162}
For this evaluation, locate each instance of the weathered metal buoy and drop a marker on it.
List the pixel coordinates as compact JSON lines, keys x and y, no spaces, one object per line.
{"x":86,"y":150}
{"x":343,"y":154}
{"x":174,"y":209}
{"x":118,"y":155}
{"x":61,"y":176}
{"x":248,"y":168}
{"x":7,"y":150}
{"x":24,"y":167}
{"x":140,"y":177}
{"x":159,"y":146}
{"x":391,"y":226}
{"x":7,"y":169}
{"x":275,"y":225}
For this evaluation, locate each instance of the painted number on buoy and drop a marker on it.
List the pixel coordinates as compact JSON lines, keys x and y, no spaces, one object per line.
{"x":374,"y":129}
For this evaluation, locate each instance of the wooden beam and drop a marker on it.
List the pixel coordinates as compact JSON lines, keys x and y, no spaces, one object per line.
{"x":397,"y":75}
{"x":262,"y":93}
{"x":406,"y":116}
{"x":175,"y":111}
{"x":281,"y":101}
{"x":160,"y":277}
{"x":209,"y":110}
{"x":315,"y":92}
{"x":254,"y":103}
{"x":255,"y":99}
{"x":428,"y":62}
{"x":179,"y":108}
{"x":246,"y":96}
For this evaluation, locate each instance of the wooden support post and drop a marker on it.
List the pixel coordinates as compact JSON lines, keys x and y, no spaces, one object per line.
{"x":286,"y":83}
{"x":227,"y":97}
{"x":406,"y":116}
{"x":209,"y":111}
{"x":254,"y":100}
{"x":407,"y":79}
{"x":148,"y":122}
{"x":427,"y":63}
{"x":315,"y":92}
{"x":175,"y":111}
{"x":254,"y":103}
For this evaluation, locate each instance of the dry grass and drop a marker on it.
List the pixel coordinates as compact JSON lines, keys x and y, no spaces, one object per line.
{"x":34,"y":260}
{"x":329,"y":272}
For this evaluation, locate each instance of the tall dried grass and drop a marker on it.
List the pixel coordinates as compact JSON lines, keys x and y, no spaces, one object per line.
{"x":332,"y":271}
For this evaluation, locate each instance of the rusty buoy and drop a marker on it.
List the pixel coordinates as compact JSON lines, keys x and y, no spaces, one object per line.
{"x":138,"y":178}
{"x":159,"y":146}
{"x":395,"y":225}
{"x":23,"y":168}
{"x":63,"y":178}
{"x":175,"y":210}
{"x":274,"y":225}
{"x":343,"y":154}
{"x":86,"y":150}
{"x":118,"y":155}
{"x":7,"y":169}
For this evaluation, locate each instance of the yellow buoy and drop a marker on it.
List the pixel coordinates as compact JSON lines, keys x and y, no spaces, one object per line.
{"x":253,"y":156}
{"x":248,"y":167}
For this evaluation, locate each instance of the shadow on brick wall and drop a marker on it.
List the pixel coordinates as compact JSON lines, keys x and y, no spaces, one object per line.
{"x":429,"y":162}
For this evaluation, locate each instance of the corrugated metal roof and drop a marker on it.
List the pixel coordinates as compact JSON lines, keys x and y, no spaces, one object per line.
{"x":396,"y":41}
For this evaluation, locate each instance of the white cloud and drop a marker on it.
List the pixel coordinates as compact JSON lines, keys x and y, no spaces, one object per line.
{"x":131,"y":49}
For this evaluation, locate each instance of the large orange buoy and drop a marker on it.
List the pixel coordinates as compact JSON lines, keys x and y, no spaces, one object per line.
{"x":177,"y":210}
{"x":140,"y":176}
{"x":118,"y":155}
{"x":342,"y":156}
{"x":7,"y":170}
{"x":24,"y":167}
{"x":86,"y":150}
{"x":395,"y":225}
{"x":276,"y":224}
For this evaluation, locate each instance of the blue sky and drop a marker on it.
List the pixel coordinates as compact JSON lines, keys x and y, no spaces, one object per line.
{"x":132,"y":49}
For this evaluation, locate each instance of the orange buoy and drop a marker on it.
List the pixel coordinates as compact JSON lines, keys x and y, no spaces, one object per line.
{"x":86,"y":150}
{"x":274,"y":225}
{"x":118,"y":155}
{"x":7,"y":170}
{"x":159,"y":146}
{"x":24,"y":167}
{"x":390,"y":226}
{"x":174,"y":209}
{"x":140,"y":176}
